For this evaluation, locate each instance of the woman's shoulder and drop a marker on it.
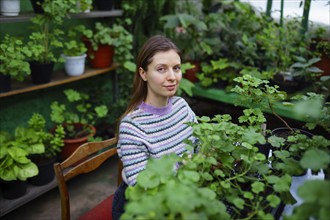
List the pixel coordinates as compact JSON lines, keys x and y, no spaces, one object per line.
{"x":134,"y":117}
{"x":177,"y":100}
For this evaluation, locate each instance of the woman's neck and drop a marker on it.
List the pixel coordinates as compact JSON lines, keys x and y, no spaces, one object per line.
{"x":157,"y":102}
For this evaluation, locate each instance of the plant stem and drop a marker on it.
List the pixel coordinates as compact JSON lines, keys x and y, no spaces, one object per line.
{"x":279,"y":117}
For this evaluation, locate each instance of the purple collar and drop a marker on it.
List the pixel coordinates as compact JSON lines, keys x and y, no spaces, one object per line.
{"x":157,"y":110}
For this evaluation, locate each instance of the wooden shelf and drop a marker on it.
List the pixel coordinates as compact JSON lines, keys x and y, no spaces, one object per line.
{"x":59,"y":78}
{"x":22,"y":17}
{"x":8,"y":205}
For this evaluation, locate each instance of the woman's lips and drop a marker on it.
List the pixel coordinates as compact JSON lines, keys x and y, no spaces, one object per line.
{"x":170,"y":88}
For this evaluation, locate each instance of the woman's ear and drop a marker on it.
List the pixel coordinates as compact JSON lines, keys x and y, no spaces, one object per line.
{"x":142,"y":74}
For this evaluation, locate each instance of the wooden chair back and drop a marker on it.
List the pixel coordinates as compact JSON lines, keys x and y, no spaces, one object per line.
{"x":86,"y":158}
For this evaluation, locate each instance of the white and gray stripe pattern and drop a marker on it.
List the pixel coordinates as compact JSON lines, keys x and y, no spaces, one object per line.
{"x":153,"y":132}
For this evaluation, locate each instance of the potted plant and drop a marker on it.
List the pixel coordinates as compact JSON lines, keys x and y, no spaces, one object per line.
{"x":228,"y":160}
{"x":47,"y":38}
{"x":173,"y":192}
{"x":218,"y":73}
{"x":323,"y":50}
{"x":74,"y":53}
{"x":52,"y":142}
{"x":78,"y":117}
{"x":104,"y":41}
{"x":10,"y":7}
{"x":13,"y":59}
{"x":225,"y":161}
{"x":16,"y":166}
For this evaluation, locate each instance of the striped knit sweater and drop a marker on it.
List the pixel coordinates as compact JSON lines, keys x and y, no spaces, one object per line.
{"x":150,"y":132}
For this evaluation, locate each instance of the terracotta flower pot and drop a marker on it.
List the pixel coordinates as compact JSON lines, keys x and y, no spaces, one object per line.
{"x":102,"y":57}
{"x":191,"y":73}
{"x":70,"y":145}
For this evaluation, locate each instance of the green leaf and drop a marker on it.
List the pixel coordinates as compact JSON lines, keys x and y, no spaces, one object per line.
{"x":191,"y":175}
{"x":315,"y":159}
{"x":27,"y":171}
{"x":276,"y":141}
{"x":258,"y":187}
{"x":225,"y":184}
{"x":146,"y":179}
{"x":239,"y":203}
{"x":248,"y":195}
{"x":273,"y":200}
{"x":315,"y":192}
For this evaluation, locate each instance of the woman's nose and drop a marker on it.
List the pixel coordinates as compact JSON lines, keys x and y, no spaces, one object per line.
{"x":171,"y":75}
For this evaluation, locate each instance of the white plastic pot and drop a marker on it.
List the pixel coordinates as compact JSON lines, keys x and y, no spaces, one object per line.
{"x":10,"y":7}
{"x":75,"y":66}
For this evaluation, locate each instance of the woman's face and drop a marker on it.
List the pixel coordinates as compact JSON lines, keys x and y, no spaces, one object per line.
{"x":162,"y":77}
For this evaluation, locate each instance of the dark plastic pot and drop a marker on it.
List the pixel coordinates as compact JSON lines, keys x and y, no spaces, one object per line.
{"x":289,"y":86}
{"x":41,"y":73}
{"x":37,"y":7}
{"x":5,"y":83}
{"x":13,"y":189}
{"x":285,"y":132}
{"x":104,"y":5}
{"x":46,"y":171}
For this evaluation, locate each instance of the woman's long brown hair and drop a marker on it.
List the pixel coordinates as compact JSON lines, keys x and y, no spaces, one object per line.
{"x":153,"y":45}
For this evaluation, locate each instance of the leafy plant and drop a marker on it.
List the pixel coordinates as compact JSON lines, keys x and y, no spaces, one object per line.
{"x":47,"y":35}
{"x":315,"y":201}
{"x":53,"y":142}
{"x":323,"y":47}
{"x":16,"y":149}
{"x":185,"y":85}
{"x":297,"y":152}
{"x":33,"y":140}
{"x":305,"y":69}
{"x":166,"y":195}
{"x":85,"y":5}
{"x":14,"y":161}
{"x":73,"y":45}
{"x":217,"y":70}
{"x":226,"y":162}
{"x":13,"y":58}
{"x":257,"y":93}
{"x":77,"y":109}
{"x":189,"y":33}
{"x":115,"y":35}
{"x":318,"y":115}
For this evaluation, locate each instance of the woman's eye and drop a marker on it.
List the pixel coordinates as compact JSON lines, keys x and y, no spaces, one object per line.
{"x":177,"y":68}
{"x":161,"y":70}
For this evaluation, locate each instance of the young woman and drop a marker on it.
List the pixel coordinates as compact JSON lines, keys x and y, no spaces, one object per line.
{"x":154,"y":123}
